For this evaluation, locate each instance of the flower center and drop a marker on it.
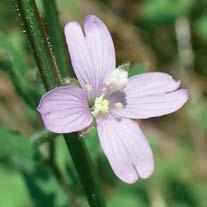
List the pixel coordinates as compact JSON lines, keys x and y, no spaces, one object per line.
{"x":117,"y":80}
{"x":101,"y":106}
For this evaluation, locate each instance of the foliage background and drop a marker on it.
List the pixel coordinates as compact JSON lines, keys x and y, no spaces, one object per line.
{"x":170,"y":35}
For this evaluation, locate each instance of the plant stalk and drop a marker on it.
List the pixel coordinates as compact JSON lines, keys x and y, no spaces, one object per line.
{"x":34,"y":28}
{"x":56,"y":37}
{"x":84,"y":165}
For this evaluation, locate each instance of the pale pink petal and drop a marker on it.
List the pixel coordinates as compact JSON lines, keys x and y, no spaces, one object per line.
{"x":65,"y":109}
{"x":150,"y":95}
{"x":92,"y":54}
{"x":151,"y":83}
{"x":126,"y":148}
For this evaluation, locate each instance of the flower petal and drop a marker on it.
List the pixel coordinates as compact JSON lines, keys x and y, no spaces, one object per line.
{"x":92,"y":54}
{"x":150,"y":95}
{"x":65,"y":109}
{"x":126,"y":148}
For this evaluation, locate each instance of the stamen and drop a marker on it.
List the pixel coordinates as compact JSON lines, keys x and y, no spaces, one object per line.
{"x":100,"y":107}
{"x":119,"y":105}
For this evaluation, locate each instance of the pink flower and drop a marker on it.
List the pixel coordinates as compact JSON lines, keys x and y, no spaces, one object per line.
{"x":110,"y":98}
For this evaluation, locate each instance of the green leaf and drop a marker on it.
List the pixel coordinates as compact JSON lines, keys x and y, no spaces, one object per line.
{"x":138,"y":68}
{"x":42,"y":185}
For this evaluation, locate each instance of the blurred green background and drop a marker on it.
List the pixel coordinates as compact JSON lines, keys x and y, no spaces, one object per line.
{"x":170,"y":35}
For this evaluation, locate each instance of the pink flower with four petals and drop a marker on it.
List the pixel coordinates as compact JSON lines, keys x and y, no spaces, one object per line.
{"x":110,"y":98}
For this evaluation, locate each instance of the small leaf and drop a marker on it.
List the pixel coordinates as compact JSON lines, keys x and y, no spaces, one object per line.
{"x":137,"y":69}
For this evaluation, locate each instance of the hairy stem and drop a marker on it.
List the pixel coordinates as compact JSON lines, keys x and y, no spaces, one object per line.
{"x":33,"y":27}
{"x":56,"y":37}
{"x":27,"y":10}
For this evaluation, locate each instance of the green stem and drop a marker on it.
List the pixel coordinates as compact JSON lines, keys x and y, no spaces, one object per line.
{"x":46,"y":63}
{"x":56,"y":37}
{"x":86,"y":170}
{"x":34,"y":29}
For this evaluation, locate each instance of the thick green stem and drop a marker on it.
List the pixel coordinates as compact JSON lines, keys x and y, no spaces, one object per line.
{"x":34,"y":29}
{"x":56,"y":37}
{"x":46,"y":63}
{"x":85,"y":169}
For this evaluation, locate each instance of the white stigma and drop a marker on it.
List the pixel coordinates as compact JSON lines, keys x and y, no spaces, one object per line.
{"x":101,"y":106}
{"x":117,"y":80}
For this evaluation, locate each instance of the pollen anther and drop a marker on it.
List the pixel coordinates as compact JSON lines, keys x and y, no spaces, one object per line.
{"x":100,"y":107}
{"x":118,"y":105}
